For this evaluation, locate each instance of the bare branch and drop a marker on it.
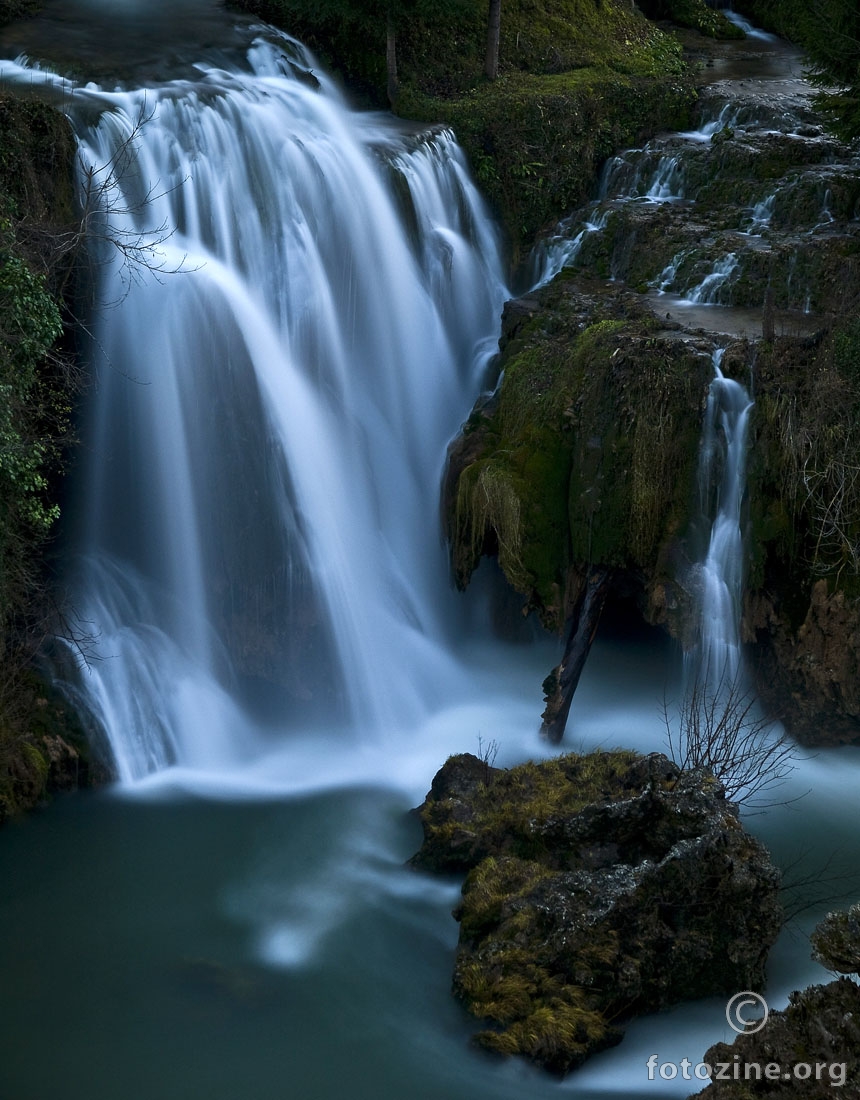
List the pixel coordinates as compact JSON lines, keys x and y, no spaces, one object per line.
{"x":719,"y":729}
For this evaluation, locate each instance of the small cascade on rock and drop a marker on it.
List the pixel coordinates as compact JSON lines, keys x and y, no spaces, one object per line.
{"x":718,"y":578}
{"x":711,"y":124}
{"x":667,"y":184}
{"x":761,"y":215}
{"x":749,"y":30}
{"x":707,"y":292}
{"x":559,"y":251}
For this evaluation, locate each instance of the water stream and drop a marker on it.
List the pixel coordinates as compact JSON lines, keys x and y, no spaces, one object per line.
{"x":716,"y":659}
{"x":277,"y":382}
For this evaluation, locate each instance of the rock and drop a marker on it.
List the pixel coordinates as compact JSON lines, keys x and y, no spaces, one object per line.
{"x":836,"y":941}
{"x":820,"y":1027}
{"x":810,"y":675}
{"x":601,"y":887}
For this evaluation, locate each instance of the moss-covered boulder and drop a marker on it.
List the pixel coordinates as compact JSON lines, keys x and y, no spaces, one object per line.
{"x":600,"y":887}
{"x":588,"y":455}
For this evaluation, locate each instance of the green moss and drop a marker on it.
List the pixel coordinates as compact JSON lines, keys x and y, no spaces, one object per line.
{"x":535,"y":142}
{"x":17,"y":9}
{"x":592,"y":450}
{"x":511,"y":814}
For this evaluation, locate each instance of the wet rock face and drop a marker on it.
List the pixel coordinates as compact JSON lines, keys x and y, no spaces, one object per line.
{"x":810,"y":675}
{"x":600,"y":887}
{"x":586,"y":458}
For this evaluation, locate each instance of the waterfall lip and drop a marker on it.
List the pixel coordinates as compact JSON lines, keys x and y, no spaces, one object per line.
{"x":137,"y":42}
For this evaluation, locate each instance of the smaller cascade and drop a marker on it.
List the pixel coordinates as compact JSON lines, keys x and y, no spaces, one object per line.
{"x":722,"y":483}
{"x":621,"y":176}
{"x":749,"y":30}
{"x":761,"y":215}
{"x":708,"y":290}
{"x":561,"y":251}
{"x":825,"y":216}
{"x":670,"y":272}
{"x":727,"y":117}
{"x":667,"y":184}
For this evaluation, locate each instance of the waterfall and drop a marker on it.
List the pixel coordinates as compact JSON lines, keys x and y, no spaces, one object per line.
{"x":277,"y":381}
{"x":708,"y":290}
{"x":720,"y":573}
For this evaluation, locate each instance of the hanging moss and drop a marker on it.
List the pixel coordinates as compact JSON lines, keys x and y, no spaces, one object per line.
{"x":594,"y":443}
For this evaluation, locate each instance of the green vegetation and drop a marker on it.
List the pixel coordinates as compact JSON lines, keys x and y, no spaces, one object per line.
{"x":536,"y":141}
{"x":37,"y":223}
{"x":829,"y":31}
{"x":589,"y":457}
{"x":692,"y":13}
{"x":578,"y":79}
{"x":17,"y":9}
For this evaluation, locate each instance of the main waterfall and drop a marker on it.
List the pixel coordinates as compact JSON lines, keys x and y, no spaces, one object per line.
{"x":309,"y":299}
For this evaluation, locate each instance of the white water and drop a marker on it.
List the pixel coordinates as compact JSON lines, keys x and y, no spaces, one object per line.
{"x":749,"y":30}
{"x":719,"y":576}
{"x":667,"y":184}
{"x":761,"y":215}
{"x":707,"y":292}
{"x":313,"y":885}
{"x":273,"y":409}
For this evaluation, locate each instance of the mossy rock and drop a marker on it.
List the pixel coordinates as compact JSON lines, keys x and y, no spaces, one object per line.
{"x":588,"y":456}
{"x":600,"y":887}
{"x":536,"y":142}
{"x":696,"y":14}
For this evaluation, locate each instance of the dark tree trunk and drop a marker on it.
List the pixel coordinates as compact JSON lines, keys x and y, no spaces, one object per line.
{"x":391,"y":60}
{"x":560,"y":685}
{"x":494,"y":21}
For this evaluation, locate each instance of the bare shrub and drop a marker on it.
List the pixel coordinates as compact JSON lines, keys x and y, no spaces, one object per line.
{"x":719,"y":729}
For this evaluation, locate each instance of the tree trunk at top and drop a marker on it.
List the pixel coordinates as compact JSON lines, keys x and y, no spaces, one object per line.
{"x":391,"y":60}
{"x":491,"y":61}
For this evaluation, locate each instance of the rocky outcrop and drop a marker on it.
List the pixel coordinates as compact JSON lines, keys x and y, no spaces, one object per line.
{"x":42,"y":747}
{"x":813,"y":1046}
{"x":600,"y":887}
{"x":588,"y":453}
{"x":820,"y":1028}
{"x":585,"y":460}
{"x":810,"y":674}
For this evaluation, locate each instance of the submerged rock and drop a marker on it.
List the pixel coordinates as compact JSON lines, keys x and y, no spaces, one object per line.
{"x":600,"y":887}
